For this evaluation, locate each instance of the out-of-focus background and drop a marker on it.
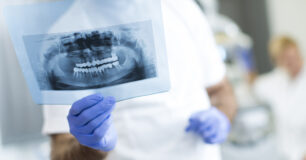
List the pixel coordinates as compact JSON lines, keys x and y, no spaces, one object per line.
{"x":243,"y":29}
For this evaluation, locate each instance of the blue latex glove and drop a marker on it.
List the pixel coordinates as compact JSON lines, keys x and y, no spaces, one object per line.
{"x":212,"y":125}
{"x":90,"y":122}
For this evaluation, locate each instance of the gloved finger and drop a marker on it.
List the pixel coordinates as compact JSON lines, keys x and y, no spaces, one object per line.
{"x":197,"y":121}
{"x":203,"y":116}
{"x":203,"y":124}
{"x":105,"y":106}
{"x":191,"y":126}
{"x":194,"y":125}
{"x":96,"y":136}
{"x":84,"y":103}
{"x":212,"y":129}
{"x":93,"y":124}
{"x":219,"y":137}
{"x":108,"y":142}
{"x":210,"y":140}
{"x":197,"y":124}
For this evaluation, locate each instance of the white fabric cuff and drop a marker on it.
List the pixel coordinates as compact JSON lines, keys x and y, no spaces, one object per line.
{"x":55,"y":119}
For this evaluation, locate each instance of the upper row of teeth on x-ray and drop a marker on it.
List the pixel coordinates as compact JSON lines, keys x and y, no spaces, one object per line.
{"x":97,"y":62}
{"x":94,"y":40}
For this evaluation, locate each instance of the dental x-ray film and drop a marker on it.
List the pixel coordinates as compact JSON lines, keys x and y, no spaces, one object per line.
{"x":117,"y":51}
{"x":94,"y":58}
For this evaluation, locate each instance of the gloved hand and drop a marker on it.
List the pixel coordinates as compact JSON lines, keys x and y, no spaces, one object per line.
{"x":212,"y":125}
{"x":90,"y":122}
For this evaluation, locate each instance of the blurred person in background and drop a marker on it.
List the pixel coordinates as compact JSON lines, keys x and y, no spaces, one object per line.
{"x":284,"y":89}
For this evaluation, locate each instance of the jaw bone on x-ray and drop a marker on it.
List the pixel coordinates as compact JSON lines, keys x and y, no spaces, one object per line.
{"x":65,"y":57}
{"x":93,"y":59}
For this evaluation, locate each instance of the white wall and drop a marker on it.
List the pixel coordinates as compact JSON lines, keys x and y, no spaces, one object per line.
{"x":288,"y":17}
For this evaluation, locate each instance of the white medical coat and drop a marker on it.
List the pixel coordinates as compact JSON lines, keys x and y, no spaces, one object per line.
{"x":287,"y":99}
{"x":152,"y":127}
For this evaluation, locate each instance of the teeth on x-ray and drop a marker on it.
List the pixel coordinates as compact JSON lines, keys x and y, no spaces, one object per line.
{"x":98,"y":62}
{"x":96,"y":69}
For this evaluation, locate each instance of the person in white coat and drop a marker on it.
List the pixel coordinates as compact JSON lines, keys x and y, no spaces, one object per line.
{"x":284,"y":89}
{"x":152,"y":127}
